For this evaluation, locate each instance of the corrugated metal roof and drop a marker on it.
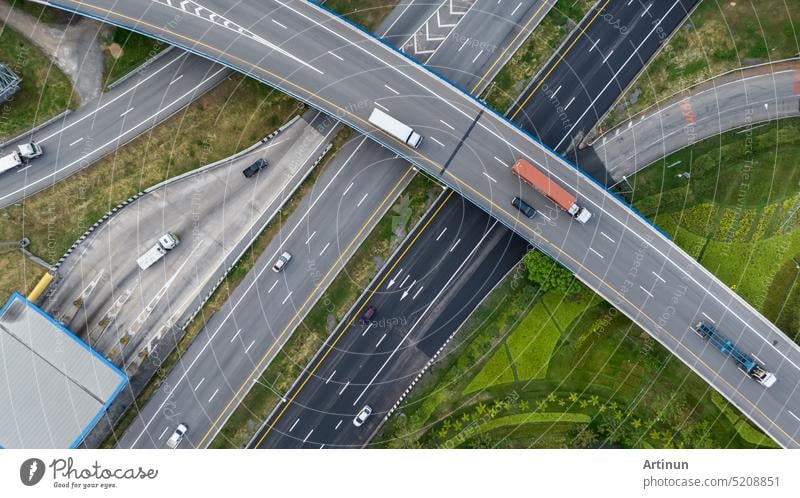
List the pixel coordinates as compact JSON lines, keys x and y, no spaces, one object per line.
{"x":54,"y":386}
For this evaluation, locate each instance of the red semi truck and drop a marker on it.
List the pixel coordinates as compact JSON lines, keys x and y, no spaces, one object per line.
{"x":537,"y":179}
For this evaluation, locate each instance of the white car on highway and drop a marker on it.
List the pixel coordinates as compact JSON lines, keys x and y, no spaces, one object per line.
{"x":177,"y":436}
{"x":281,"y":262}
{"x":362,"y":416}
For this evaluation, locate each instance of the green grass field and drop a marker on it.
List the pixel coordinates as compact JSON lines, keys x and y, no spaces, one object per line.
{"x":44,"y":92}
{"x":40,"y":12}
{"x":738,"y":212}
{"x":718,"y":37}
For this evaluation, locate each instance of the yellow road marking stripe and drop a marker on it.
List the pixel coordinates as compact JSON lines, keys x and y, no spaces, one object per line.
{"x":566,"y":51}
{"x":508,"y":47}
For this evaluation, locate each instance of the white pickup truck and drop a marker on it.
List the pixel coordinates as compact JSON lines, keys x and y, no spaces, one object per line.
{"x":24,"y":152}
{"x":165,"y":243}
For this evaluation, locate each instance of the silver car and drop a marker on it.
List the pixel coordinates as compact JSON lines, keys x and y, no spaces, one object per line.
{"x":177,"y":436}
{"x":362,"y":416}
{"x":282,"y":261}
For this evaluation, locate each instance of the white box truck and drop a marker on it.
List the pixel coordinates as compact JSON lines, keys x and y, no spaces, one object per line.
{"x":165,"y":243}
{"x":24,"y":152}
{"x":395,"y":128}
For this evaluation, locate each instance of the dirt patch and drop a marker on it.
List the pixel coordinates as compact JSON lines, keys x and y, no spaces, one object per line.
{"x":114,"y":50}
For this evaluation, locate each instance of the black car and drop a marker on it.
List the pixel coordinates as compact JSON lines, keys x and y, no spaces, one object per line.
{"x":369,"y":313}
{"x":523,"y":206}
{"x":255,"y":168}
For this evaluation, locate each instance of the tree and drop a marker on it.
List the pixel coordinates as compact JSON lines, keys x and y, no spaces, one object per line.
{"x":549,"y":275}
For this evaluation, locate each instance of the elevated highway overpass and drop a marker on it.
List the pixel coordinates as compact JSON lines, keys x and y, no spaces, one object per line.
{"x":308,"y":52}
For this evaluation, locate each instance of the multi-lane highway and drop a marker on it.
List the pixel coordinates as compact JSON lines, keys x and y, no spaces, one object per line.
{"x":594,"y":65}
{"x":376,"y":193}
{"x":456,"y":293}
{"x":370,"y":362}
{"x":97,"y":128}
{"x":618,"y":254}
{"x":320,"y":408}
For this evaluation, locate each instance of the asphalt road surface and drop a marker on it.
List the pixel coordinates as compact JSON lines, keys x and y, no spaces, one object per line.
{"x":724,"y":106}
{"x":370,"y":362}
{"x":595,"y":64}
{"x":323,"y":411}
{"x":358,"y":156}
{"x":126,"y":310}
{"x":621,"y":256}
{"x":97,"y":128}
{"x":458,"y":297}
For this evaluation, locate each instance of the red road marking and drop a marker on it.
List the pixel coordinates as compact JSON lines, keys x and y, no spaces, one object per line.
{"x":688,"y":112}
{"x":796,"y":89}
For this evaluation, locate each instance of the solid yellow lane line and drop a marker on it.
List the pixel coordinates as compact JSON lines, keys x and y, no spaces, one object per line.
{"x":561,"y":58}
{"x":508,"y":47}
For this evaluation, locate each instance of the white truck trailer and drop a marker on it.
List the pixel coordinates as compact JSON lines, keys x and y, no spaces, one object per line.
{"x":165,"y":243}
{"x":395,"y":128}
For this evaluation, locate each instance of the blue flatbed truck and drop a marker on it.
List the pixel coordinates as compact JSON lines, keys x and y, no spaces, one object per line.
{"x":745,"y":363}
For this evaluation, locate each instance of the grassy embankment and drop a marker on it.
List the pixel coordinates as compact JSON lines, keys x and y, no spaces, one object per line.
{"x":44,"y":92}
{"x":535,"y":52}
{"x":125,"y":51}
